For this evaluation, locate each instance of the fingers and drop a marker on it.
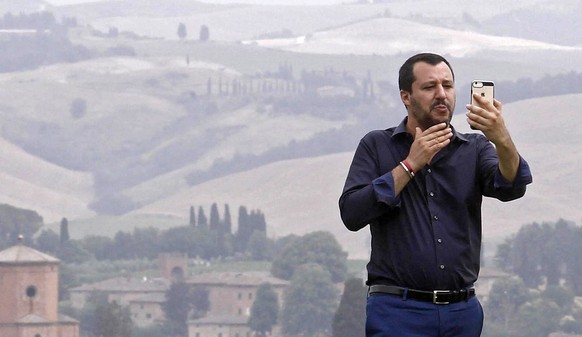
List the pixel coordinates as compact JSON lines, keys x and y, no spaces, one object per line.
{"x":484,"y":115}
{"x":428,"y":143}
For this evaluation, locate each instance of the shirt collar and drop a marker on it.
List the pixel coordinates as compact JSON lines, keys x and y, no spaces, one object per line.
{"x":401,"y":129}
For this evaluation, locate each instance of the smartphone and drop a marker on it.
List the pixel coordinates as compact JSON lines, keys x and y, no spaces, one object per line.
{"x":485,"y":89}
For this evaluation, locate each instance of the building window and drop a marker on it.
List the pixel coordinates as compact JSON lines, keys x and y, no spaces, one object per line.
{"x":250,"y":296}
{"x":149,"y":316}
{"x":239,"y":296}
{"x":220,"y":334}
{"x":239,"y":311}
{"x":31,"y":291}
{"x":37,"y":335}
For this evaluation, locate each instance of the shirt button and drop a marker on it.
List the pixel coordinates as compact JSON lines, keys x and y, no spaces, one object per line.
{"x":431,"y":194}
{"x":440,"y":240}
{"x":429,"y":170}
{"x":436,"y":218}
{"x":442,"y":266}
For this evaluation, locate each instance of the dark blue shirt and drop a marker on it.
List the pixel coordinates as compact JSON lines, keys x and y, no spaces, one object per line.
{"x":429,"y":236}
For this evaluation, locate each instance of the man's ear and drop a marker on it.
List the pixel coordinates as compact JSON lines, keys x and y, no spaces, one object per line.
{"x":405,"y":97}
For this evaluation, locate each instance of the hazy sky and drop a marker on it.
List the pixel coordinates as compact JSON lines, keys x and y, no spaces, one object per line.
{"x":266,"y":2}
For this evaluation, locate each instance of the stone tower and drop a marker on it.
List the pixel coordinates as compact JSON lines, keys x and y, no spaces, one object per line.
{"x":173,"y":266}
{"x":29,"y":284}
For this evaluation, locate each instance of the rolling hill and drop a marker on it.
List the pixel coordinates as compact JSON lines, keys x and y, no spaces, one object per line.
{"x":52,"y":191}
{"x":298,"y":196}
{"x":143,"y":133}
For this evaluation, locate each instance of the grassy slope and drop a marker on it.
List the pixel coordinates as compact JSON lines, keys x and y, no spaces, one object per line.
{"x":298,"y":196}
{"x":120,"y":129}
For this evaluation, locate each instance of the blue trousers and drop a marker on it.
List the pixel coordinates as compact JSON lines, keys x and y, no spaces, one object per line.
{"x":393,"y":316}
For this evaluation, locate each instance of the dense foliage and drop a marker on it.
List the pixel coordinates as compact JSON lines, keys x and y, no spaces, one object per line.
{"x":310,"y":302}
{"x":350,"y":317}
{"x":264,"y":311}
{"x":318,"y":247}
{"x":17,"y":222}
{"x":540,"y":298}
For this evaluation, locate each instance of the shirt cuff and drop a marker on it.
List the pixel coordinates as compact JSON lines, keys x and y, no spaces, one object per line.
{"x":522,"y":177}
{"x":384,"y":190}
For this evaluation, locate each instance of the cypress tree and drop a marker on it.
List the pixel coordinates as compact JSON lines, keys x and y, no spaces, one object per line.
{"x":227,"y":220}
{"x":64,"y":231}
{"x":192,"y":217}
{"x":202,"y":220}
{"x":214,"y":218}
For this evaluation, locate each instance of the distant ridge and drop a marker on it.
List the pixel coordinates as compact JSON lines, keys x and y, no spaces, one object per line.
{"x":298,"y":196}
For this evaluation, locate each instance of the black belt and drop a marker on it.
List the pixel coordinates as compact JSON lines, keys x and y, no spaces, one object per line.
{"x":435,"y":296}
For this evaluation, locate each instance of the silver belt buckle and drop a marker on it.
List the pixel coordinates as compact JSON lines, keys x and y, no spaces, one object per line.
{"x":435,"y":296}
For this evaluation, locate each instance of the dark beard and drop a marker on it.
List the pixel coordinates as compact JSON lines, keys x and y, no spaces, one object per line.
{"x":424,"y":120}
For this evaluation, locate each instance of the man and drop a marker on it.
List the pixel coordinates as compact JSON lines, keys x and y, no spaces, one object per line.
{"x":420,"y":187}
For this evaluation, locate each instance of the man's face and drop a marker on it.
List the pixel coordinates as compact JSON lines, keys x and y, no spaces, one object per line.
{"x":432,"y":100}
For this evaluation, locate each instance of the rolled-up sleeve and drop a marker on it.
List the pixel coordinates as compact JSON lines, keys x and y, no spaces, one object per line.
{"x":367,"y":192}
{"x":505,"y":190}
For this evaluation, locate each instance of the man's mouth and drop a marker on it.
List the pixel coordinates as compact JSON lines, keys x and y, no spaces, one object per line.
{"x":441,"y":107}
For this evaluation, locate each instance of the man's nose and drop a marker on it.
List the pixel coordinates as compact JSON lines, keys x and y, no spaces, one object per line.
{"x":440,"y":92}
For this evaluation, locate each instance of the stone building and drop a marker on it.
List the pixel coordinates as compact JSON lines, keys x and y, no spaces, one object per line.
{"x":231,"y":296}
{"x":29,"y":290}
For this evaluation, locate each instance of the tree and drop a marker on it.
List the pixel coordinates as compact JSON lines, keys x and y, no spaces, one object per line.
{"x":182,"y":303}
{"x":181,"y":239}
{"x":227,"y":220}
{"x":101,"y":247}
{"x":310,"y":302}
{"x":192,"y":221}
{"x":538,"y":318}
{"x":182,"y":32}
{"x":111,"y":320}
{"x":526,"y":254}
{"x":64,"y":231}
{"x":204,"y":33}
{"x":176,"y":308}
{"x":214,"y":217}
{"x":202,"y":220}
{"x":350,"y":317}
{"x":73,"y":252}
{"x":48,"y":241}
{"x":146,"y":242}
{"x":17,"y":221}
{"x":260,"y":247}
{"x":317,"y":247}
{"x":505,"y":299}
{"x":264,"y":311}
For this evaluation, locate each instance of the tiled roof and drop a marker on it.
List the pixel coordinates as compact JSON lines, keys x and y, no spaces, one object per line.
{"x":21,"y":254}
{"x":36,"y":319}
{"x":32,"y":318}
{"x":126,"y":284}
{"x":221,"y":319}
{"x":236,"y":279}
{"x":150,"y":298}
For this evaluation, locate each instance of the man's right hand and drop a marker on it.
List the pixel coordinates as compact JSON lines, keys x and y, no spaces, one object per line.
{"x":427,"y":144}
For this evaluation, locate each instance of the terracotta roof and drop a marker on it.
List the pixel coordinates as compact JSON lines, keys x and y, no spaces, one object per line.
{"x":126,"y":284}
{"x":20,"y":254}
{"x":236,"y":279}
{"x":221,"y":319}
{"x":150,"y":298}
{"x":36,"y":319}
